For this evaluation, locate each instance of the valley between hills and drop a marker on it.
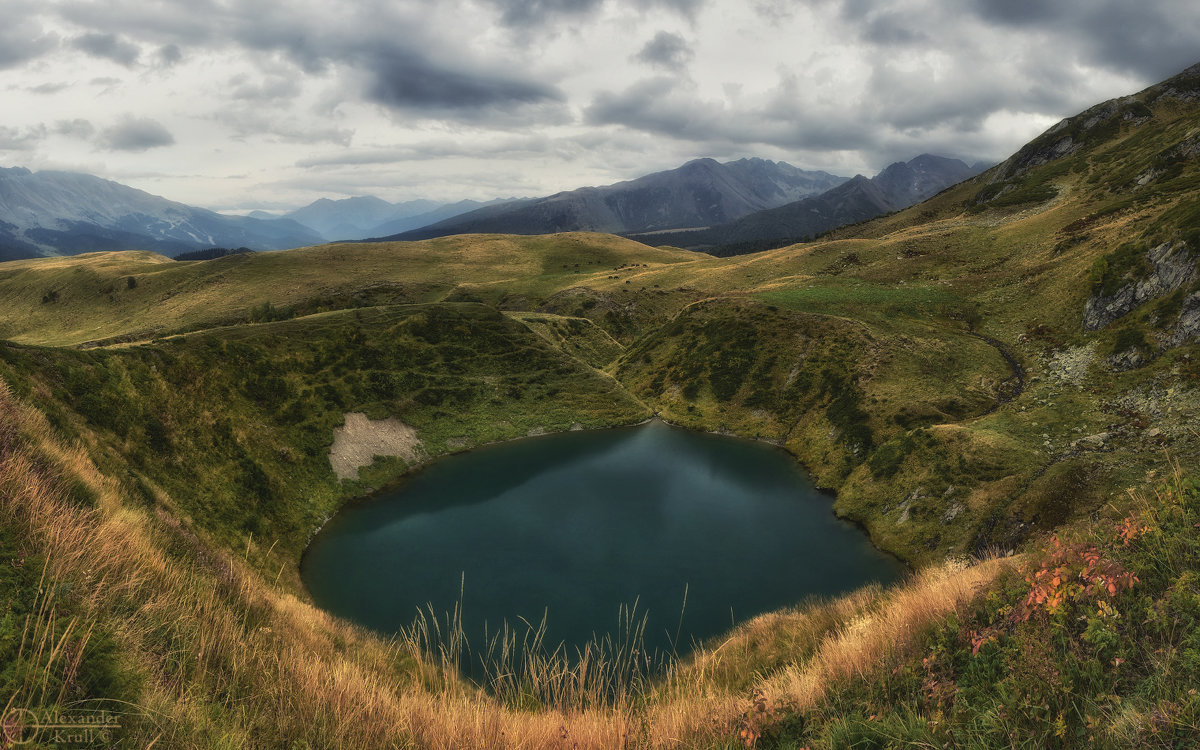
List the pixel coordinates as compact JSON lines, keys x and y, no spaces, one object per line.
{"x":1000,"y":385}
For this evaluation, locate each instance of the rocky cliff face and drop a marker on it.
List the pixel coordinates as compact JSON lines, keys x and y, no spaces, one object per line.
{"x":1173,"y":265}
{"x":1188,"y":326}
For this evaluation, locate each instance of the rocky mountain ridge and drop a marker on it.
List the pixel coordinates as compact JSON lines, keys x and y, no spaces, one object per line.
{"x":700,"y":193}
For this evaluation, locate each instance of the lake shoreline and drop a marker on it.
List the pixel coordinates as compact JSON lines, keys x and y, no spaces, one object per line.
{"x":587,"y":524}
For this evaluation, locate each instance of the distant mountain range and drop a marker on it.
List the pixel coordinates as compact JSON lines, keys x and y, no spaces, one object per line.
{"x":368,"y":216}
{"x":899,"y":186}
{"x":65,"y":213}
{"x":701,"y":193}
{"x":734,"y":206}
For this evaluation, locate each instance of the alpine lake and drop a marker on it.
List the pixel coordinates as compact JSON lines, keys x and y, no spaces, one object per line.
{"x":681,"y":534}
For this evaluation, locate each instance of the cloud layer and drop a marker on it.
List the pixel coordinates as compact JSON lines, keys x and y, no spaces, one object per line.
{"x":260,"y":102}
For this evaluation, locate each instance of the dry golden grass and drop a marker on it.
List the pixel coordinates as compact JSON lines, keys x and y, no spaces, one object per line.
{"x":94,"y":302}
{"x":228,"y":659}
{"x":883,"y":633}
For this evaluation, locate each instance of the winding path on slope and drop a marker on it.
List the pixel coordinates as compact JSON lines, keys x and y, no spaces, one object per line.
{"x":1012,"y":386}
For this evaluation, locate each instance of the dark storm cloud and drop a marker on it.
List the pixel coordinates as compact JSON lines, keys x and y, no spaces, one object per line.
{"x":1150,"y":40}
{"x":135,"y":134}
{"x":527,"y":13}
{"x":1154,"y":40}
{"x":402,"y":62}
{"x":537,"y":12}
{"x":666,"y":50}
{"x":109,"y":47}
{"x":892,"y":28}
{"x":400,"y":78}
{"x":1019,"y":11}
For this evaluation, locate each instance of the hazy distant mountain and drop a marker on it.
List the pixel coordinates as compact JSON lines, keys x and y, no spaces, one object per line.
{"x":898,"y":186}
{"x":368,"y":216}
{"x":351,"y":218}
{"x":698,"y":194}
{"x":907,"y":183}
{"x":65,"y":213}
{"x":398,"y":224}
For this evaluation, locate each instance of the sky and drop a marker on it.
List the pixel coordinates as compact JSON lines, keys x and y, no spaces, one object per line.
{"x":237,"y":105}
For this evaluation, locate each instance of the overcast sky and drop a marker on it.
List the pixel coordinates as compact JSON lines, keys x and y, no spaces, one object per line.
{"x":242,"y":104}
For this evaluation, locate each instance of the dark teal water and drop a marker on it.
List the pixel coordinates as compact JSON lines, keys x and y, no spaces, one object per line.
{"x":574,"y":526}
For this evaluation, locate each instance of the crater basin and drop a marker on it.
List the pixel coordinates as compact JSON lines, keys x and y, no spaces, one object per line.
{"x":574,"y":527}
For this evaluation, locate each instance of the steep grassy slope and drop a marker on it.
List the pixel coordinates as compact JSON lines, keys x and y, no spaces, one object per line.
{"x":230,"y":429}
{"x":971,"y":374}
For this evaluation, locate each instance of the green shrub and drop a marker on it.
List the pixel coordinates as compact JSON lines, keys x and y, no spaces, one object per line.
{"x":1128,"y":338}
{"x":1112,"y":271}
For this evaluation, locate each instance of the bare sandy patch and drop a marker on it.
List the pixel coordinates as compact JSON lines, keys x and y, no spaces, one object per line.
{"x":360,"y":440}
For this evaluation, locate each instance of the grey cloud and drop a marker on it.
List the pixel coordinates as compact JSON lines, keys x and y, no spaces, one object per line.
{"x":22,"y":40}
{"x":169,"y":54}
{"x":534,"y":13}
{"x":402,"y":79}
{"x":20,"y":139}
{"x":109,"y":47}
{"x":664,"y":106}
{"x":136,"y":135}
{"x":892,"y":28}
{"x":250,"y":123}
{"x":648,"y":105}
{"x":514,"y":147}
{"x":77,"y":128}
{"x":48,"y":88}
{"x":270,"y":89}
{"x":1018,"y":11}
{"x":1151,"y":40}
{"x":961,"y":99}
{"x":666,"y":50}
{"x":388,"y":49}
{"x":686,"y":8}
{"x":537,"y":12}
{"x":485,"y":185}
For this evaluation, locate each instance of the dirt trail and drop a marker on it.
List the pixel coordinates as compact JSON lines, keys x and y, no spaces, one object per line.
{"x":1014,"y":385}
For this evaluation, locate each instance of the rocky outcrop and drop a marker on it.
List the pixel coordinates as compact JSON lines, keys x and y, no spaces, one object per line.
{"x":1129,"y":359}
{"x":1173,"y":266}
{"x":1188,"y":326}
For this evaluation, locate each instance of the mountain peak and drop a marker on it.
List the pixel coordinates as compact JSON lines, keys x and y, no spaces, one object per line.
{"x":701,"y":192}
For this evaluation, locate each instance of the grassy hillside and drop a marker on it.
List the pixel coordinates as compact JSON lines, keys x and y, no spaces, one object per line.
{"x":971,"y":375}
